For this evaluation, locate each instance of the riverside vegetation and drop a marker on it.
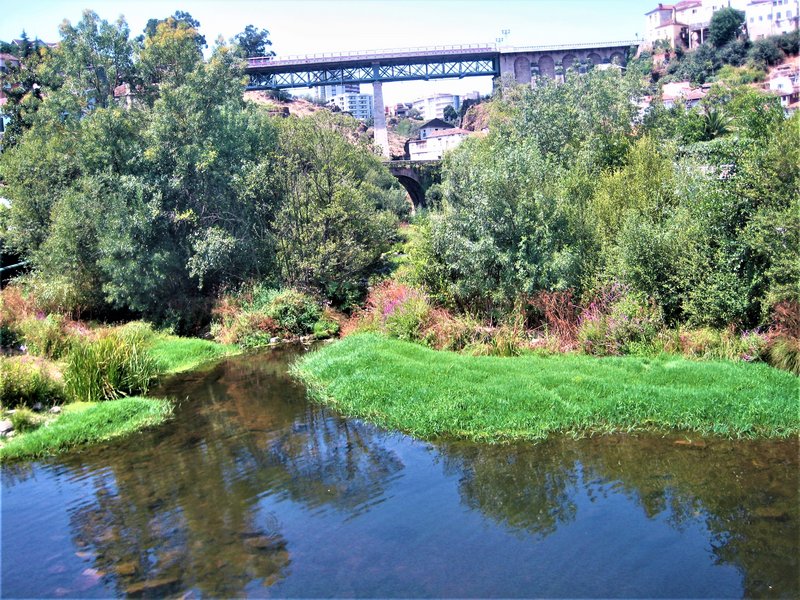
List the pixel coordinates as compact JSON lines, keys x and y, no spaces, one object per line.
{"x":578,"y":225}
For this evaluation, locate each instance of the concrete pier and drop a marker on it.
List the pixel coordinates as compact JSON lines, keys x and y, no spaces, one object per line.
{"x":379,"y":119}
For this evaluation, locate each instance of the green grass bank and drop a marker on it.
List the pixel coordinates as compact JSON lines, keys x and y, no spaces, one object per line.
{"x":87,"y":423}
{"x":429,"y":393}
{"x":95,"y":372}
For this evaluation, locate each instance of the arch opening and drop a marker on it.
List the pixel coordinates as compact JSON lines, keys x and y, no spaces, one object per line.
{"x":414,"y":189}
{"x":547,"y":66}
{"x":522,"y":70}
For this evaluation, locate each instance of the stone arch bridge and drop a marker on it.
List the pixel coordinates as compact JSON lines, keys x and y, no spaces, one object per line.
{"x":416,"y":176}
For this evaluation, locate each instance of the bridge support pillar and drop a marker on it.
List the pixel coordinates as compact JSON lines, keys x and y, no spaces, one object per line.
{"x":379,"y":119}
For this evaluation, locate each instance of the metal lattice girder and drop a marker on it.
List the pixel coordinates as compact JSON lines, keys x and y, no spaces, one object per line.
{"x":397,"y":71}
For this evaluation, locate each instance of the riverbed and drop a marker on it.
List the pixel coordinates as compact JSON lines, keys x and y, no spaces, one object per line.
{"x":252,"y":490}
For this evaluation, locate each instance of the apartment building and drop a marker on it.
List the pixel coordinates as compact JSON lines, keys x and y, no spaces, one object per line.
{"x":432,"y":107}
{"x":771,"y":17}
{"x":358,"y":105}
{"x":325,"y":92}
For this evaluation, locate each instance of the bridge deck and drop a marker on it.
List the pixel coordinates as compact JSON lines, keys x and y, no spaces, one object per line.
{"x":370,"y":56}
{"x":400,"y":64}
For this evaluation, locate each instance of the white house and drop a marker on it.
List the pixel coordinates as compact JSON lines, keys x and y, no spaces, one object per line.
{"x":771,"y":17}
{"x":682,"y":91}
{"x":436,"y":144}
{"x":687,"y":22}
{"x":433,"y":126}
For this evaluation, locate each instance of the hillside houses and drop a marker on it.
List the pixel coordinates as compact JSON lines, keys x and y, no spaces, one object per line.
{"x":686,"y":23}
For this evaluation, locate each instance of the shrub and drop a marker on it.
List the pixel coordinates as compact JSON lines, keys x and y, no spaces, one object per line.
{"x":293,"y":311}
{"x":45,"y":336}
{"x":398,"y":310}
{"x":328,"y":324}
{"x":722,"y":344}
{"x":407,"y":319}
{"x":783,"y":338}
{"x":24,"y":383}
{"x":559,"y":312}
{"x":257,"y":313}
{"x":108,"y":368}
{"x":24,"y":419}
{"x":765,"y":52}
{"x":136,"y":332}
{"x":253,"y":329}
{"x":784,"y":353}
{"x":448,"y":332}
{"x":14,"y":307}
{"x":620,"y":322}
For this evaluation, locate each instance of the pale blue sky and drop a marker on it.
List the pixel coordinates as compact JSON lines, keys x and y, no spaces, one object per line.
{"x":313,"y":26}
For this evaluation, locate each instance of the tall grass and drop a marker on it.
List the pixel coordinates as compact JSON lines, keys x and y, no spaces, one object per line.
{"x":93,"y":424}
{"x":25,"y":382}
{"x":429,"y":393}
{"x":109,"y":368}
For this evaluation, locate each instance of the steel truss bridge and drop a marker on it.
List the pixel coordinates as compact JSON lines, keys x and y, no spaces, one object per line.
{"x":368,"y":67}
{"x":405,"y":64}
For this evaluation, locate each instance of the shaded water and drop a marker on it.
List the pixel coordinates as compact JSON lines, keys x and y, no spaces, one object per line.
{"x":252,"y":491}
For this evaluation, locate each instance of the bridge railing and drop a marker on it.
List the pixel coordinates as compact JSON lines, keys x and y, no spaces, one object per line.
{"x":553,"y":47}
{"x":259,"y":61}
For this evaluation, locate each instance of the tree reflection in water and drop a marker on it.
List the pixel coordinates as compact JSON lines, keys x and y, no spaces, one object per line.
{"x":745,"y":492}
{"x":182,"y":511}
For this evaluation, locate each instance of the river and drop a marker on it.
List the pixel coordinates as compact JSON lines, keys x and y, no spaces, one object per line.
{"x":251,"y":490}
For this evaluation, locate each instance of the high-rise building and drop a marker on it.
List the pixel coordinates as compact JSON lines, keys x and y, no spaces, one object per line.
{"x":358,"y":105}
{"x":326,"y":92}
{"x":432,"y":107}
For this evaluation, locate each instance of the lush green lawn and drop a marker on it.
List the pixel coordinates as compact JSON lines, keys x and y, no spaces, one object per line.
{"x":86,"y":423}
{"x":427,"y":393}
{"x":175,"y":354}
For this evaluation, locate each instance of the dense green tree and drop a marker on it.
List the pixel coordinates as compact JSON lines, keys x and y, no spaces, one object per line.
{"x":181,"y":19}
{"x":168,"y":56}
{"x":330,"y":232}
{"x":22,"y":86}
{"x":92,"y":59}
{"x":450,"y":114}
{"x":765,"y":53}
{"x":726,"y":24}
{"x":253,"y":42}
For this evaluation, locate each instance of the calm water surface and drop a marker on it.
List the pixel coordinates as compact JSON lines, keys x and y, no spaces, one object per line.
{"x":251,"y":491}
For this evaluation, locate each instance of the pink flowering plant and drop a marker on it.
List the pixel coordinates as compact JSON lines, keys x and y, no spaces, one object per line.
{"x":620,"y":321}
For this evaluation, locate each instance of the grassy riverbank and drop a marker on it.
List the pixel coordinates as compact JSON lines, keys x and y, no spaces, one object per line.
{"x":428,"y":393}
{"x":88,"y":423}
{"x":113,"y":365}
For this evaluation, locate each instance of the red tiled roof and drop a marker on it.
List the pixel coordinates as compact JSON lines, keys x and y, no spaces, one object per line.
{"x":661,"y":7}
{"x":688,"y":4}
{"x":671,"y":23}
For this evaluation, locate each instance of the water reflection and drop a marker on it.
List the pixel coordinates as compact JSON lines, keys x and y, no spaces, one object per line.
{"x":745,"y":493}
{"x":252,"y":491}
{"x":182,"y":511}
